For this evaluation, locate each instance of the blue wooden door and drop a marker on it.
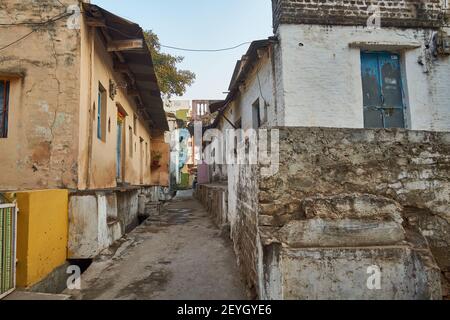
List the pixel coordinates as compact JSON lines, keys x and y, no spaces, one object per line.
{"x":382,"y":90}
{"x":119,"y":148}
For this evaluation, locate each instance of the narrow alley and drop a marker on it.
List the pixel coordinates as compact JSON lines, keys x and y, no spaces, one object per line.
{"x":315,"y":136}
{"x":178,"y":255}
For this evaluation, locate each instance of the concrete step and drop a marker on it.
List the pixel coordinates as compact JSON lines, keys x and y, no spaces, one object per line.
{"x":153,"y":208}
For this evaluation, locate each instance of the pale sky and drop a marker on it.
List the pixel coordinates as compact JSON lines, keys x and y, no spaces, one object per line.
{"x":201,"y":24}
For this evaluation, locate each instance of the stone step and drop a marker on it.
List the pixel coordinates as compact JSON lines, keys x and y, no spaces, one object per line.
{"x":153,"y":209}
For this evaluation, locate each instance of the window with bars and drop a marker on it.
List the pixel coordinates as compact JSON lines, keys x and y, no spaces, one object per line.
{"x":4,"y":107}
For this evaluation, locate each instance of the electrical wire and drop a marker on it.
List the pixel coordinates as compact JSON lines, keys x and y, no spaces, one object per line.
{"x":18,"y":40}
{"x":51,"y":20}
{"x":206,"y":50}
{"x":183,"y":49}
{"x":38,"y":23}
{"x":58,"y":17}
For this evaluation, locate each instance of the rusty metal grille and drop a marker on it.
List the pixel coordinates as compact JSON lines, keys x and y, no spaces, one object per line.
{"x":8,"y":248}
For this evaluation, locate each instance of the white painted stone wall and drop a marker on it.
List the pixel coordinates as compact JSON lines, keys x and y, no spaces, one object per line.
{"x":254,"y":89}
{"x":90,"y":230}
{"x":321,"y":80}
{"x":241,"y":108}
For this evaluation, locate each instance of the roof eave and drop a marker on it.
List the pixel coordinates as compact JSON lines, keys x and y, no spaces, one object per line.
{"x":145,"y":84}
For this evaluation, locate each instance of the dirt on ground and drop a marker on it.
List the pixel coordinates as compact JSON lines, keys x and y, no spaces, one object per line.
{"x":177,"y":255}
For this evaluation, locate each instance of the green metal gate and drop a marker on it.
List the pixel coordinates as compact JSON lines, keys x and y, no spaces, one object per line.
{"x":8,"y":248}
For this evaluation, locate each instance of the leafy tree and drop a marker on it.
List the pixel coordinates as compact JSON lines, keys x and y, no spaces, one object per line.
{"x":172,"y":81}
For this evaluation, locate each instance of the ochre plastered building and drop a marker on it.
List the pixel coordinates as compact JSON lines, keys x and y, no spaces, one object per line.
{"x":81,"y":117}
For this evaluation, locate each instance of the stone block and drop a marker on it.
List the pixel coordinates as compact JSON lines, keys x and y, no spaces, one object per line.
{"x":352,"y":206}
{"x":341,"y":233}
{"x":345,"y":274}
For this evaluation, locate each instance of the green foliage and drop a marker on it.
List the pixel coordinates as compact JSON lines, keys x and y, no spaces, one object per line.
{"x":172,"y":81}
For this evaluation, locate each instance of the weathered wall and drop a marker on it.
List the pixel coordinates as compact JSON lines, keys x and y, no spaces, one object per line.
{"x":394,"y":13}
{"x":41,"y":234}
{"x":344,"y":200}
{"x":258,"y":85}
{"x":244,"y":224}
{"x":98,"y":219}
{"x":127,"y":209}
{"x":214,"y":198}
{"x":242,"y":181}
{"x":321,"y":80}
{"x":330,"y":252}
{"x":409,"y":167}
{"x":406,"y":274}
{"x":93,"y":224}
{"x":41,"y":149}
{"x":55,"y":74}
{"x":160,"y":173}
{"x":97,"y":158}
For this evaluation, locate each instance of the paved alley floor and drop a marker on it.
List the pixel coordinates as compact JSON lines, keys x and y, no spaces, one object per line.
{"x":179,"y":255}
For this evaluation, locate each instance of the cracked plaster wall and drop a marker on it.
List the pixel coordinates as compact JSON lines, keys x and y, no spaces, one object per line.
{"x":40,"y":151}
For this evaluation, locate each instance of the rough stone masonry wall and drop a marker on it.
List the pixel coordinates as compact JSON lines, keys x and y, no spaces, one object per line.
{"x":394,"y":13}
{"x":409,"y":167}
{"x":41,"y":149}
{"x":244,"y":226}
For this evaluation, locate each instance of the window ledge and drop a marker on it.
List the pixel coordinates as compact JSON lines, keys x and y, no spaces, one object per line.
{"x":367,"y":45}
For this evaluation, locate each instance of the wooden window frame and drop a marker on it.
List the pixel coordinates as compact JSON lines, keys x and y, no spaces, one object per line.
{"x":130,"y":141}
{"x":4,"y":121}
{"x":256,"y":107}
{"x":102,"y":112}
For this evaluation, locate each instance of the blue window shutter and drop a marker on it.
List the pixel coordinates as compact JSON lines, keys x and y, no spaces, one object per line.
{"x":99,"y":116}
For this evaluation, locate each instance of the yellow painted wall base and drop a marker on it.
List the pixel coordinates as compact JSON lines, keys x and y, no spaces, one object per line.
{"x":42,"y":233}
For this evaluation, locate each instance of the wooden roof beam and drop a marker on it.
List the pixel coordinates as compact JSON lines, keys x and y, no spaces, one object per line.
{"x":133,"y":92}
{"x":124,"y":45}
{"x":108,"y":39}
{"x":95,"y":22}
{"x":123,"y":68}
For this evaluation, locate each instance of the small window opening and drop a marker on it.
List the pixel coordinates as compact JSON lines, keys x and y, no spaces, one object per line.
{"x":4,"y":108}
{"x":256,"y":114}
{"x":101,"y":113}
{"x":130,"y":137}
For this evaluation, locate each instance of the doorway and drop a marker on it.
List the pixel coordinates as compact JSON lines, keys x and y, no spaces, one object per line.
{"x":119,"y":148}
{"x":384,"y":105}
{"x":141,"y":170}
